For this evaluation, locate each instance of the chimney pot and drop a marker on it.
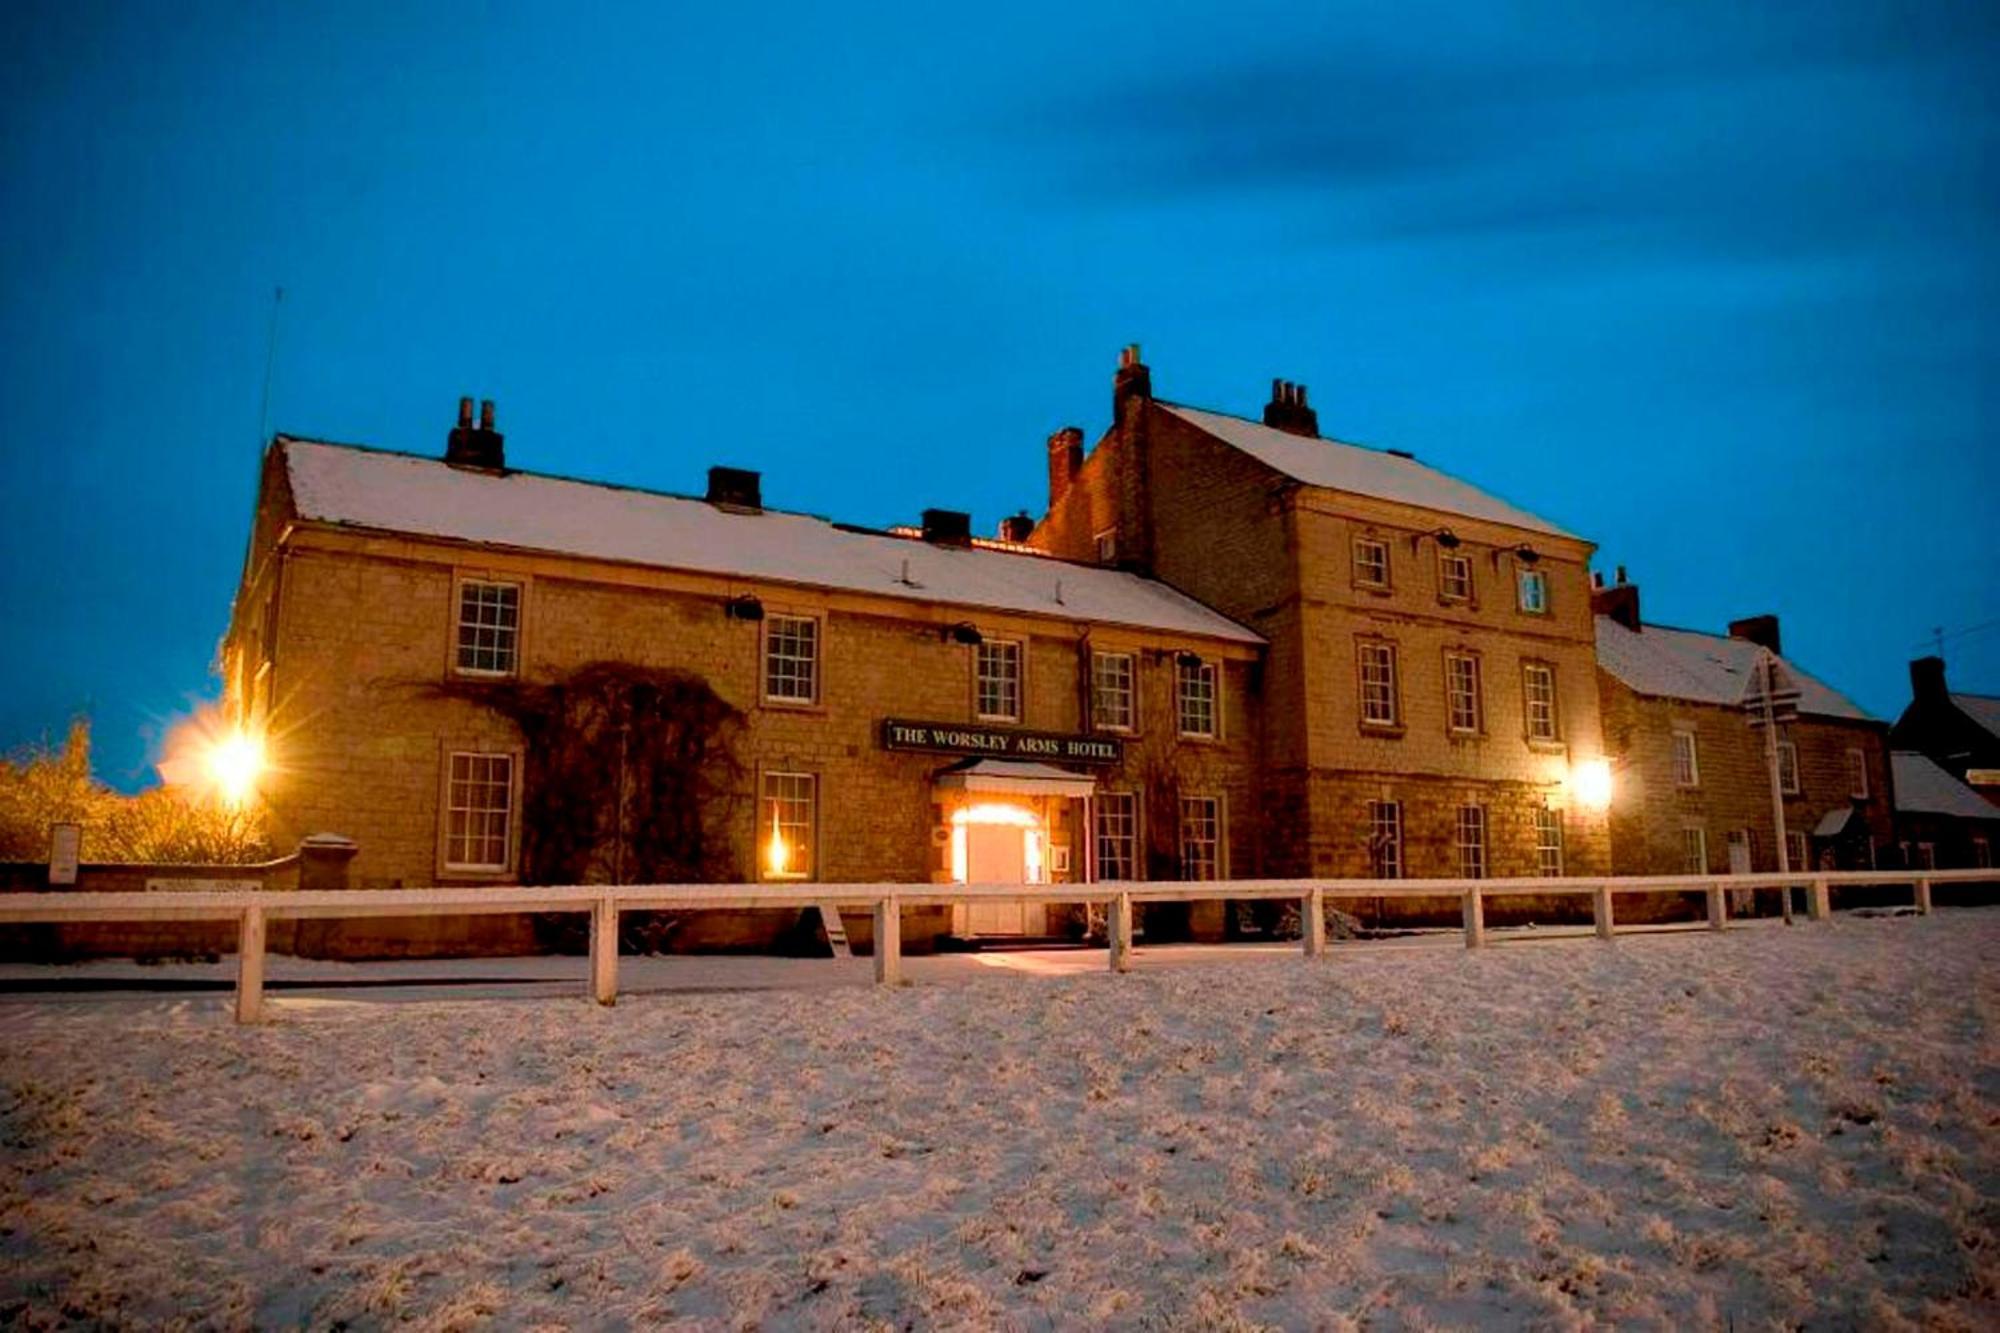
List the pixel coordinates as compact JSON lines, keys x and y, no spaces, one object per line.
{"x":1287,"y":410}
{"x":486,"y":414}
{"x":1621,"y":576}
{"x":479,"y":447}
{"x":465,"y":414}
{"x":1016,"y":528}
{"x":1596,"y":580}
{"x":736,"y":488}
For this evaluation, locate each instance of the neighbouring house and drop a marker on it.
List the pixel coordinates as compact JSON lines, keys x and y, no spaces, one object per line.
{"x":1941,"y":824}
{"x":1428,"y":690}
{"x":1959,"y":732}
{"x":1692,"y":781}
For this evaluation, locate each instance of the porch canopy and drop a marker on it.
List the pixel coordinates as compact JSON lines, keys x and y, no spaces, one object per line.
{"x":1834,"y":822}
{"x":1014,"y":777}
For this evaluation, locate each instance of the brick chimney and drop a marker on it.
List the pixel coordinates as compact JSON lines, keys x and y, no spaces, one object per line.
{"x":480,"y":447}
{"x":1927,"y":681}
{"x":1761,"y":630}
{"x":1133,"y":381}
{"x":1620,"y":601}
{"x":736,"y":488}
{"x":1287,"y":409}
{"x":1065,"y":461}
{"x":1016,"y":528}
{"x":947,"y":527}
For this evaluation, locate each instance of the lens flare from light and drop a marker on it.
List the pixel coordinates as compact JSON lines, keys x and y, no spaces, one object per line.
{"x":779,"y":855}
{"x":216,"y":760}
{"x":1590,"y":784}
{"x":235,"y":762}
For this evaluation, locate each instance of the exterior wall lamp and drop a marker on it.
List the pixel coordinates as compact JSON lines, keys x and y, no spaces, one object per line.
{"x":1527,"y":554}
{"x":745,"y":607}
{"x":1444,"y":537}
{"x":963,"y":632}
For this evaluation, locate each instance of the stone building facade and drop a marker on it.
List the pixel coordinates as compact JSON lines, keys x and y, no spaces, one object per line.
{"x":1691,"y":779}
{"x":1429,"y":687}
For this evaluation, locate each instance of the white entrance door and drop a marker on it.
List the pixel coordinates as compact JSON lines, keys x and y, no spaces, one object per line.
{"x":997,"y":854}
{"x":1739,"y":852}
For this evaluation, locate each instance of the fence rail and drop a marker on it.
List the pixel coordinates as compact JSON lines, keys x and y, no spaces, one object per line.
{"x":252,"y":909}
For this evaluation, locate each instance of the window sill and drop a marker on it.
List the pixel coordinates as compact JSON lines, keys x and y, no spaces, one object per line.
{"x":1383,"y":730}
{"x":468,"y":673}
{"x":1198,"y":738}
{"x":1547,"y":746}
{"x":793,"y":706}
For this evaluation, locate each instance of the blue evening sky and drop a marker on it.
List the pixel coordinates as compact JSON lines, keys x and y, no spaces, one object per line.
{"x":1713,"y":284}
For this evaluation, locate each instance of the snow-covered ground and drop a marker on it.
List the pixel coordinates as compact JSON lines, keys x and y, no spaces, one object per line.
{"x":1770,"y":1127}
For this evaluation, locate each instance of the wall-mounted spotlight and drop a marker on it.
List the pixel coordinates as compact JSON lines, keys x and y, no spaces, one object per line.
{"x":1527,"y":554}
{"x":1444,"y":537}
{"x":1189,"y":660}
{"x":745,"y":607}
{"x":963,"y":632}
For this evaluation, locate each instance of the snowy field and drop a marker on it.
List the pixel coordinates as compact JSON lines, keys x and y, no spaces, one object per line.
{"x":1768,"y":1128}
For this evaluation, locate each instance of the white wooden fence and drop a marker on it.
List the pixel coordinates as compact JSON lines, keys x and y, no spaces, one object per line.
{"x":251,"y":909}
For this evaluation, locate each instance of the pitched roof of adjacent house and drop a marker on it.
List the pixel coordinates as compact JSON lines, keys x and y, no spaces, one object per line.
{"x":1360,"y":471}
{"x":1705,"y":668}
{"x":1923,"y":788}
{"x":405,"y":493}
{"x":1981,"y":708}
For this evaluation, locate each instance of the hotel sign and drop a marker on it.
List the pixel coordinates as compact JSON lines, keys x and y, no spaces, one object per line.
{"x":999,"y":743}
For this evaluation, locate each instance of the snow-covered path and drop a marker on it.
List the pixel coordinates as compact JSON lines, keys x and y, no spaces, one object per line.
{"x":1767,"y":1127}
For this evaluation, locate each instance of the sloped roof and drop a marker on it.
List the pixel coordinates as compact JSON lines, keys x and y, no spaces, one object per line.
{"x":1359,"y":471}
{"x":1922,"y":788}
{"x":1981,"y":708}
{"x":1705,"y":668}
{"x":370,"y":488}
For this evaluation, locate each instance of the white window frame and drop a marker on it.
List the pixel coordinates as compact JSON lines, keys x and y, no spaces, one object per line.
{"x":1470,"y":719}
{"x":1385,"y":839}
{"x":992,"y":650}
{"x":1201,"y":830}
{"x":1553,"y":710}
{"x":785,"y":800}
{"x":1198,"y":687}
{"x":1449,"y":561}
{"x":1798,"y":848}
{"x":1788,"y":768}
{"x":1538,"y":603}
{"x":1548,"y":842}
{"x":771,"y":656}
{"x":459,"y":793}
{"x":1471,"y":841}
{"x":505,"y":632}
{"x":1686,"y":774}
{"x":1117,"y":807}
{"x":1379,"y":681}
{"x":1857,"y":773}
{"x":1370,"y":571}
{"x":1110,"y":679}
{"x":1694,"y":848}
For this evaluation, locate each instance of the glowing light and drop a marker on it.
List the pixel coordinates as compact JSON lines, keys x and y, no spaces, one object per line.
{"x":779,"y":855}
{"x":235,"y":763}
{"x":216,"y":760}
{"x":1005,"y":816}
{"x":1590,"y":784}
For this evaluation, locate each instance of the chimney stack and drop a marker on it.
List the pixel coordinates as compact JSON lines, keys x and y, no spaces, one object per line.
{"x":1760,"y":630}
{"x":1620,"y":601}
{"x":1927,"y":681}
{"x":1287,"y":410}
{"x":735,"y":488}
{"x":1017,"y":528}
{"x":1065,"y":461}
{"x":1133,"y":380}
{"x":478,"y":447}
{"x":947,"y":527}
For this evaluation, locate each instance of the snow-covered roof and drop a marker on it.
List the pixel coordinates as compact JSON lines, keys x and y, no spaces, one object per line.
{"x":1359,"y":471}
{"x":370,"y":488}
{"x":1981,"y":708}
{"x":1705,"y":668}
{"x":1922,"y":788}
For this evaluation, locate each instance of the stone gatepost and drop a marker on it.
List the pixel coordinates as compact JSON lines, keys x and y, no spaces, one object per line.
{"x":323,"y":861}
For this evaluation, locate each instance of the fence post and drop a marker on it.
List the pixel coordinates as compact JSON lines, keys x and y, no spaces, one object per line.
{"x":1475,"y":919}
{"x":888,"y":941}
{"x":1923,"y":897}
{"x":250,"y":966}
{"x":1121,"y":933}
{"x":1718,"y":907}
{"x":1601,"y":911}
{"x":1313,"y":908}
{"x":1819,"y":902}
{"x":604,"y":950}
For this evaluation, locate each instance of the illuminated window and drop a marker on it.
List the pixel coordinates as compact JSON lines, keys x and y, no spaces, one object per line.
{"x":1378,"y":684}
{"x":1201,"y":837}
{"x":1195,"y":690}
{"x":1472,"y":841}
{"x":1548,"y":843}
{"x":997,"y":687}
{"x":1454,"y":576}
{"x":1694,"y":851}
{"x":1461,"y":690}
{"x":479,"y":811}
{"x":1117,"y":835}
{"x":1788,"y":768}
{"x":1857,"y":774}
{"x":1371,"y":562}
{"x":787,"y":819}
{"x":1538,"y":686}
{"x":489,"y":627}
{"x":1531,"y":587}
{"x":1687,"y":773}
{"x":1112,"y":706}
{"x":791,"y":659}
{"x":1385,"y":839}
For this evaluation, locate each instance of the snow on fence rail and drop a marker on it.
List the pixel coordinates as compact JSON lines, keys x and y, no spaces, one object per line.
{"x":252,"y":908}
